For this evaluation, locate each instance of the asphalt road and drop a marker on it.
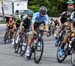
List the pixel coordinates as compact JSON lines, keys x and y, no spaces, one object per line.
{"x":9,"y":58}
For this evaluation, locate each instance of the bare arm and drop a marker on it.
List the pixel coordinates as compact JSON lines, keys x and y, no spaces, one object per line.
{"x":46,"y":27}
{"x":32,"y":27}
{"x":71,"y":26}
{"x":21,"y":25}
{"x":59,"y":22}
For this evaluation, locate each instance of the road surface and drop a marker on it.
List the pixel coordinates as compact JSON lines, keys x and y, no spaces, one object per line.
{"x":9,"y":58}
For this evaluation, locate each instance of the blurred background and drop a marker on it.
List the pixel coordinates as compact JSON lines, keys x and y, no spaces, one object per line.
{"x":55,"y":7}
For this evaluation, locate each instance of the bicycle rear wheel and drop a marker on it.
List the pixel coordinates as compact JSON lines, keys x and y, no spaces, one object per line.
{"x":6,"y":38}
{"x":73,"y":57}
{"x":38,"y":51}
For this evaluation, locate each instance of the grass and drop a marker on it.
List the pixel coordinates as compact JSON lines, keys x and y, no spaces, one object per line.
{"x":1,"y":22}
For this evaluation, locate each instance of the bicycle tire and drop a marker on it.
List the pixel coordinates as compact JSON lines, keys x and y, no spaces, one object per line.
{"x":22,"y":52}
{"x":59,"y":59}
{"x":17,"y":47}
{"x":72,"y":58}
{"x":35,"y":50}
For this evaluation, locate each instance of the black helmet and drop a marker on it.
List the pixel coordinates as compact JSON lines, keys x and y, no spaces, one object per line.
{"x":17,"y":12}
{"x":43,"y":9}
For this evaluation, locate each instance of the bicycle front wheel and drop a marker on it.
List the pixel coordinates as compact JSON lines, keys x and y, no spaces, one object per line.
{"x":17,"y":48}
{"x":60,"y":59}
{"x":38,"y":51}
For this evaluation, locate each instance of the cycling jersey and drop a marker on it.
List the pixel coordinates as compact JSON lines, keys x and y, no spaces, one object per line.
{"x":37,"y":17}
{"x":18,"y":22}
{"x":26,"y":23}
{"x":10,"y":24}
{"x":65,"y":16}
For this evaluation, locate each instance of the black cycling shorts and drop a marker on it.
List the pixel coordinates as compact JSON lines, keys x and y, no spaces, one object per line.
{"x":36,"y":25}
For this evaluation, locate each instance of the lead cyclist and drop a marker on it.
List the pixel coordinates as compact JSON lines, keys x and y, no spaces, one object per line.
{"x":40,"y":17}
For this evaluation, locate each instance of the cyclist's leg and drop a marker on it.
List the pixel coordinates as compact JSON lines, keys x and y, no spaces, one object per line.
{"x":67,"y":35}
{"x":61,"y":49}
{"x":30,"y":40}
{"x":29,"y":43}
{"x":6,"y":32}
{"x":58,"y":29}
{"x":13,"y":31}
{"x":66,"y":38}
{"x":17,"y":34}
{"x":13,"y":35}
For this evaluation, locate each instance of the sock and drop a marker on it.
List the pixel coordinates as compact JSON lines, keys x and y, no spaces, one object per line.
{"x":17,"y":38}
{"x":28,"y":46}
{"x":24,"y":44}
{"x":13,"y":39}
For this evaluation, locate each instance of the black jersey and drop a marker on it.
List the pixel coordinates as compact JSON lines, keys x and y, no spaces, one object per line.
{"x":65,"y":16}
{"x":27,"y":23}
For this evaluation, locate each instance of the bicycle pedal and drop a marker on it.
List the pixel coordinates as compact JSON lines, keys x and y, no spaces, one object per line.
{"x":32,"y":49}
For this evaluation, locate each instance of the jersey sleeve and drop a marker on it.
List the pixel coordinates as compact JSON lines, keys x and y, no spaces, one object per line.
{"x":34,"y":18}
{"x":63,"y":13}
{"x":72,"y":15}
{"x":46,"y":19}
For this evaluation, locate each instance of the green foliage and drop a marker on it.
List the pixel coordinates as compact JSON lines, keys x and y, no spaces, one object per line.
{"x":55,"y":7}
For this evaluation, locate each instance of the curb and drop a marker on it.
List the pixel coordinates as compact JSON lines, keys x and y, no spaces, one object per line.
{"x":2,"y":24}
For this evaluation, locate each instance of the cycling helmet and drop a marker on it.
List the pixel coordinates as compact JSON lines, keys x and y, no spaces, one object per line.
{"x":43,"y":9}
{"x":30,"y":13}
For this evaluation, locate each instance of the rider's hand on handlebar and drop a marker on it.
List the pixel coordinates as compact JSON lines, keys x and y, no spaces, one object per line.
{"x":47,"y":33}
{"x":34,"y":32}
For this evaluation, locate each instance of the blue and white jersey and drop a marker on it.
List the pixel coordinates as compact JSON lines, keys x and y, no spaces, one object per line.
{"x":38,"y":17}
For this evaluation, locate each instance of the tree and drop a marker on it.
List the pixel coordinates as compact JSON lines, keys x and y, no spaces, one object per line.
{"x":55,"y":7}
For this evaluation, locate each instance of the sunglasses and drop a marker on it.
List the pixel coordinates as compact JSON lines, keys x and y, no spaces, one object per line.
{"x":43,"y":13}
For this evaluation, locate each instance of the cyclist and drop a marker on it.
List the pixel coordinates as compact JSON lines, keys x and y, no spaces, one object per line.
{"x":10,"y":27}
{"x":65,"y":20}
{"x":62,"y":21}
{"x":38,"y":18}
{"x":51,"y":26}
{"x":25,"y":26}
{"x":17,"y":19}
